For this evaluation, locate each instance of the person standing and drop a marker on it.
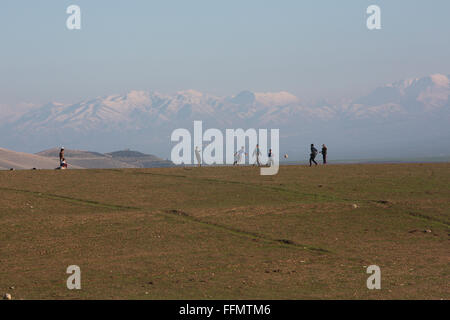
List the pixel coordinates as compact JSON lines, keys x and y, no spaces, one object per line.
{"x":270,"y":155}
{"x":61,"y":156}
{"x":198,"y":156}
{"x":313,"y":155}
{"x":324,"y":153}
{"x":257,"y":153}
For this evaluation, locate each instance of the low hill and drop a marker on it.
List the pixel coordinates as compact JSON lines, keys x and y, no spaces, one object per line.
{"x":86,"y":159}
{"x":20,"y":160}
{"x":130,"y":154}
{"x":54,"y":153}
{"x":117,"y":159}
{"x":139,"y":160}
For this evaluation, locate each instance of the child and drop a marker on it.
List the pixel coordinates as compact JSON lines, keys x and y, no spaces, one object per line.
{"x":238,"y":156}
{"x":270,"y":155}
{"x":63,"y":164}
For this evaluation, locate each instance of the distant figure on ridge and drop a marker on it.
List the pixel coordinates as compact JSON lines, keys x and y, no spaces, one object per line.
{"x":324,"y":153}
{"x":313,"y":155}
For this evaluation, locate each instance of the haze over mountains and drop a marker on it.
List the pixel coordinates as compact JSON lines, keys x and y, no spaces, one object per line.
{"x":408,"y":118}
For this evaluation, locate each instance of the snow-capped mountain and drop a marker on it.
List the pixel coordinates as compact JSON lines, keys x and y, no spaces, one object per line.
{"x":139,"y":110}
{"x":145,"y":119}
{"x":413,"y":96}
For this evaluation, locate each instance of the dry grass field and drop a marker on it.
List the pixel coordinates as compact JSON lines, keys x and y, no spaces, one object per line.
{"x":227,"y":233}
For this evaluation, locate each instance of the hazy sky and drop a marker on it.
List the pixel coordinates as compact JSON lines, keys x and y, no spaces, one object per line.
{"x":313,"y":49}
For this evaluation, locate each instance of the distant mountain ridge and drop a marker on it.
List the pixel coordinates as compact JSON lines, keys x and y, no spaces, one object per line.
{"x":131,"y":154}
{"x":412,"y":113}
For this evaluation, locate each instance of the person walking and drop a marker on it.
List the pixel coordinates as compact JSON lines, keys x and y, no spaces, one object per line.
{"x":313,"y":155}
{"x":257,"y":153}
{"x":324,"y":153}
{"x":239,"y":156}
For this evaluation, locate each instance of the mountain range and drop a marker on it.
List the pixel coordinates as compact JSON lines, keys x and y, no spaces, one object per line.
{"x":405,"y":118}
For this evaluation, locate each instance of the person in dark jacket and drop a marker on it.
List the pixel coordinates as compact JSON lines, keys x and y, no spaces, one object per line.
{"x":313,"y":155}
{"x":324,"y":153}
{"x":61,"y":156}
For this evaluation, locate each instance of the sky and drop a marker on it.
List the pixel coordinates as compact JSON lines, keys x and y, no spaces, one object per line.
{"x":314,"y":49}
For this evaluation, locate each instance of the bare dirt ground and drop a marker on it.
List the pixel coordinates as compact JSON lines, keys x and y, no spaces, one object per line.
{"x":227,"y":233}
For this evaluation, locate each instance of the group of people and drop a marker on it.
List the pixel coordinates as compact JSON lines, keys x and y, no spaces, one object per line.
{"x":237,"y":156}
{"x":257,"y":153}
{"x":313,"y":155}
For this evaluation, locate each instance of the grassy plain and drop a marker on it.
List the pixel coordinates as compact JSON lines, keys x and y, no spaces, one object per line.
{"x":227,"y":233}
